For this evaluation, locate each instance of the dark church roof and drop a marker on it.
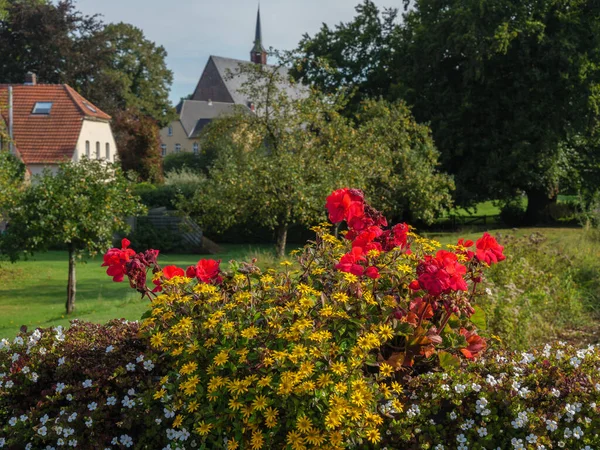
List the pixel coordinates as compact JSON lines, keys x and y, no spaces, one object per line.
{"x":195,"y":115}
{"x":258,"y":45}
{"x":221,"y":81}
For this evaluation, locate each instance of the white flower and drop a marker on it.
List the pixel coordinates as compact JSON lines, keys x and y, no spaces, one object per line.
{"x":577,"y":433}
{"x":476,"y":387}
{"x":531,"y":438}
{"x":551,"y":425}
{"x":130,"y":367}
{"x":148,"y":365}
{"x":445,"y":387}
{"x":13,"y":421}
{"x":461,"y":439}
{"x":28,"y":446}
{"x":44,"y":419}
{"x":468,"y":424}
{"x":575,"y":362}
{"x":462,"y":447}
{"x":25,"y":369}
{"x":22,"y":417}
{"x":439,"y":447}
{"x":69,"y":397}
{"x":87,"y":384}
{"x":18,"y":340}
{"x":110,"y":401}
{"x":491,"y":380}
{"x":72,"y":417}
{"x":15,"y":357}
{"x":524,"y":392}
{"x":92,"y":406}
{"x":527,"y":358}
{"x":561,"y":444}
{"x":60,"y":442}
{"x":60,"y":387}
{"x":73,"y":443}
{"x":482,"y":431}
{"x":34,"y":377}
{"x":2,"y":442}
{"x":9,"y":384}
{"x":42,"y":431}
{"x":61,"y":360}
{"x":89,"y":422}
{"x":168,"y":413}
{"x":131,"y":392}
{"x":126,"y":440}
{"x":568,"y":433}
{"x":139,"y":358}
{"x":109,"y":349}
{"x":453,"y":415}
{"x":459,"y":388}
{"x":129,"y":403}
{"x":555,"y":392}
{"x":517,"y":444}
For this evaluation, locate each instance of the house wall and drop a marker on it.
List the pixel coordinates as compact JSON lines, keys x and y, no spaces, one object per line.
{"x":179,"y":137}
{"x":37,"y":169}
{"x":96,"y":131}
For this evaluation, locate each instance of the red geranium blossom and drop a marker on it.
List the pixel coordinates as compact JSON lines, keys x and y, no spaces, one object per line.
{"x":442,"y":274}
{"x":207,"y":270}
{"x":488,"y":250}
{"x":345,"y":204}
{"x":350,"y":262}
{"x":116,"y":259}
{"x":168,"y":272}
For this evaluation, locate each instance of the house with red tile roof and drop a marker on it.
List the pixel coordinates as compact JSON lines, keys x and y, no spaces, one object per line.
{"x":52,"y":124}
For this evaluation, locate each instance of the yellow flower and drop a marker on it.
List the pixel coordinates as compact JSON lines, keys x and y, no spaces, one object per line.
{"x":178,"y":420}
{"x":188,"y":368}
{"x":250,"y":332}
{"x":285,"y":263}
{"x":373,"y":435}
{"x":203,"y":428}
{"x":385,"y":369}
{"x":350,"y":278}
{"x":339,"y":368}
{"x":386,"y":331}
{"x":295,"y":440}
{"x":303,"y":424}
{"x":397,"y":387}
{"x":193,"y":406}
{"x":271,"y":417}
{"x":257,"y":440}
{"x":397,"y":405}
{"x":157,"y":340}
{"x":259,"y":403}
{"x":235,"y":404}
{"x":340,"y":297}
{"x":221,"y":358}
{"x":159,"y":394}
{"x":265,"y":381}
{"x":314,"y":437}
{"x":232,"y":444}
{"x":324,"y":380}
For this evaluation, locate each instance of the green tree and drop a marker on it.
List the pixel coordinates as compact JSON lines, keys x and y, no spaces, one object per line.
{"x":505,"y":85}
{"x":138,"y":143}
{"x":12,"y":178}
{"x":81,"y":206}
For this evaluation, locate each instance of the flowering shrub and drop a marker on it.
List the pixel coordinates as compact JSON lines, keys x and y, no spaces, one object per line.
{"x":88,"y":387}
{"x":545,"y":398}
{"x":306,"y":358}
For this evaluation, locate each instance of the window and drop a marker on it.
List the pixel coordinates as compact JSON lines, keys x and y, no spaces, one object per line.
{"x":163,"y":149}
{"x":196,"y":148}
{"x":42,"y":108}
{"x":90,"y":107}
{"x":97,"y":150}
{"x":170,"y":131}
{"x":177,"y":148}
{"x":107,"y":151}
{"x":87,"y":149}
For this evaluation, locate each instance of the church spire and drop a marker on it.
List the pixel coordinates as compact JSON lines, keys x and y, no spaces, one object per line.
{"x":258,"y":54}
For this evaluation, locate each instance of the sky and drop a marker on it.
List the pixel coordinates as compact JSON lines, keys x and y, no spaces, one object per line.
{"x":192,"y":30}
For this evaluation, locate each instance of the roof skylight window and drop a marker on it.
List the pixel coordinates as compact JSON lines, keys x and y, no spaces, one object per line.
{"x":42,"y":108}
{"x":90,"y":107}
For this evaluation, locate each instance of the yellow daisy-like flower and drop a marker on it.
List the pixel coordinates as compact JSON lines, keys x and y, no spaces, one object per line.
{"x":315,"y":437}
{"x":257,"y":441}
{"x":265,"y":381}
{"x":339,"y":368}
{"x":232,"y":444}
{"x":159,"y":394}
{"x":295,"y":440}
{"x":188,"y":368}
{"x":259,"y":403}
{"x":373,"y":435}
{"x":350,"y":278}
{"x":386,"y":331}
{"x":250,"y":332}
{"x":203,"y":428}
{"x":385,"y":369}
{"x":193,"y":406}
{"x":397,"y":387}
{"x":271,"y":417}
{"x":221,"y":358}
{"x":178,"y":420}
{"x":235,"y":404}
{"x":157,"y":340}
{"x":303,"y":424}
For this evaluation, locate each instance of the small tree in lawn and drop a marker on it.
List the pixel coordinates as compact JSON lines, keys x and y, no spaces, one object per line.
{"x":275,"y":166}
{"x":12,"y":177}
{"x":81,"y":207}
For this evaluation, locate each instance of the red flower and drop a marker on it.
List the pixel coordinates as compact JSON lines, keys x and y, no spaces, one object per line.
{"x":172,"y":271}
{"x":207,"y":270}
{"x":365,"y":239}
{"x":191,"y":272}
{"x":350,"y":262}
{"x":345,"y":204}
{"x":116,"y":259}
{"x":466,"y":245}
{"x":488,"y":250}
{"x":372,"y":272}
{"x":475,"y":344}
{"x":442,"y":274}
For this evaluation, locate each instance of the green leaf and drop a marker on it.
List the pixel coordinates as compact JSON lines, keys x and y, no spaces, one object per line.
{"x":478,"y":319}
{"x":448,"y":361}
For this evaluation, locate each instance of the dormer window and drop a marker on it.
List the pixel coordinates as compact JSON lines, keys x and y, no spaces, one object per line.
{"x":42,"y":108}
{"x":90,"y":107}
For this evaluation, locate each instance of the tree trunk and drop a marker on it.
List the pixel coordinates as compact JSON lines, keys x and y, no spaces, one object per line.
{"x":538,"y":206}
{"x":281,"y":241}
{"x":71,"y":283}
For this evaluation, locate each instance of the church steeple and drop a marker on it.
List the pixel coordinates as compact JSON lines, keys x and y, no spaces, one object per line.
{"x":258,"y":54}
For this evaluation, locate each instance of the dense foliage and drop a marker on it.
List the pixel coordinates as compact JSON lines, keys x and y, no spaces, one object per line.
{"x":80,"y":207}
{"x":12,"y":178}
{"x":371,"y":343}
{"x":510,"y":83}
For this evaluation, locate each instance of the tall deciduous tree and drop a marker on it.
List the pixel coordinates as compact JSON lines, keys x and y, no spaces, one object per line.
{"x":12,"y":178}
{"x":505,"y":85}
{"x":80,"y":206}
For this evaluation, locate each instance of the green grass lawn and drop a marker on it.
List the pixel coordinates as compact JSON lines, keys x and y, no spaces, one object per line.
{"x":33,"y":292}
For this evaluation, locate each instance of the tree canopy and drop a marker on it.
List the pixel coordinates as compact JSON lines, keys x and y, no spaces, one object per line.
{"x":80,"y":207}
{"x":506,"y":86}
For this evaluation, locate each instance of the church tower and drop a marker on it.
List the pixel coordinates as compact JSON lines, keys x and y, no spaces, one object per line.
{"x":258,"y":54}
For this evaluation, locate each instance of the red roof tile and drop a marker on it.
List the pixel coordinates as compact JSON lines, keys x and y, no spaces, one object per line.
{"x":52,"y":138}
